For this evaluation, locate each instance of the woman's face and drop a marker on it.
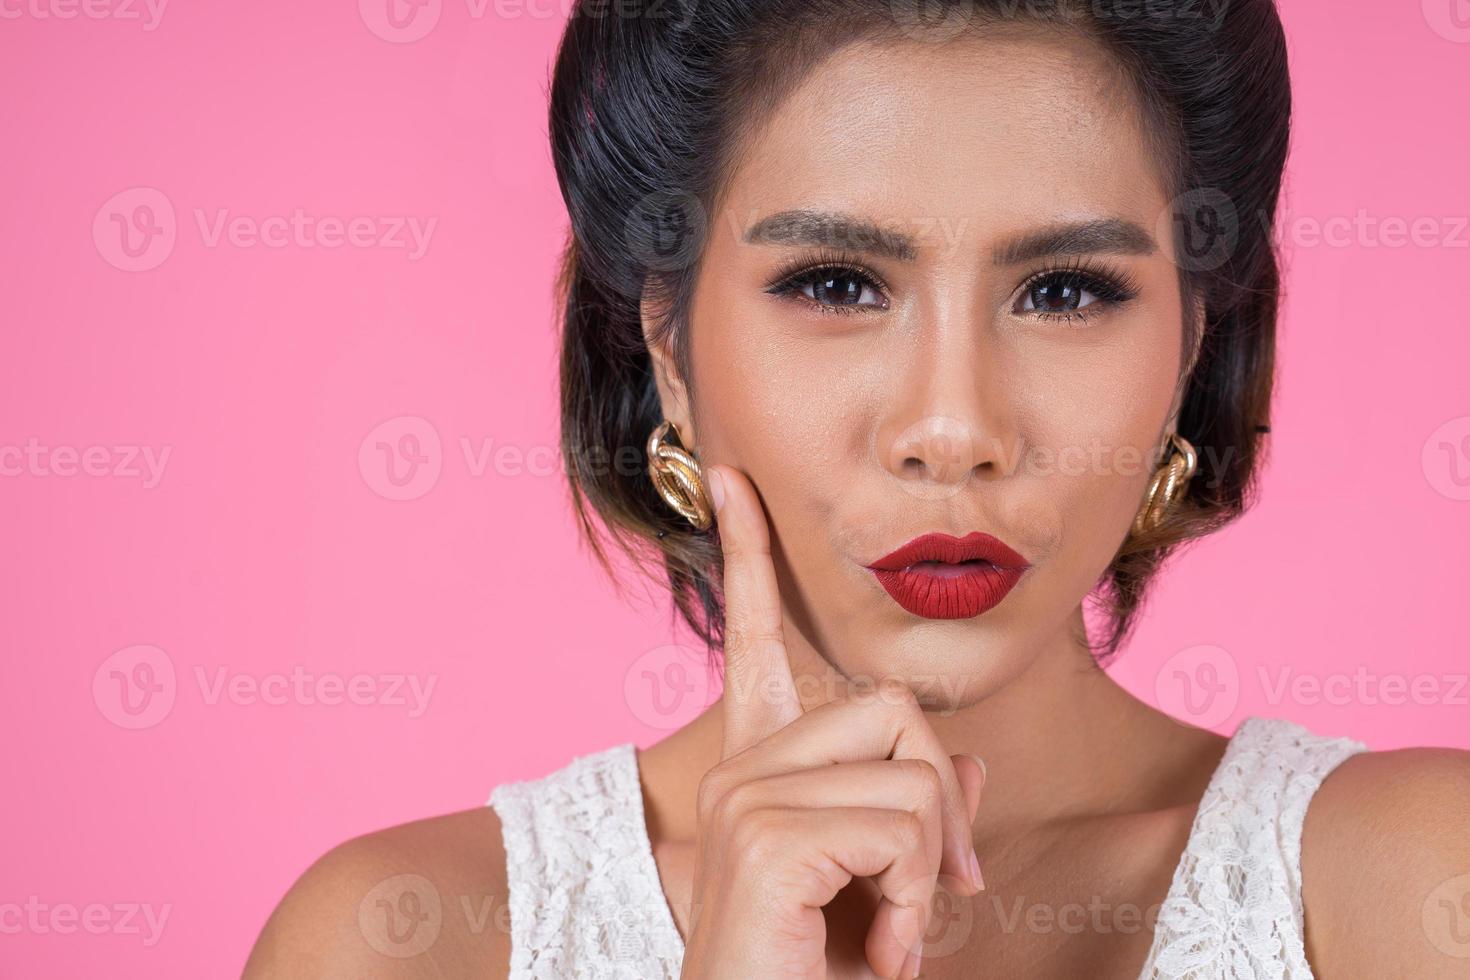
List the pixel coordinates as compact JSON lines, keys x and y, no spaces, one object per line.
{"x":999,"y":354}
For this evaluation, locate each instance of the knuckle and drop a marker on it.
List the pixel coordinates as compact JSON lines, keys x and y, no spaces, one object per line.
{"x":738,"y":549}
{"x":744,"y":632}
{"x":756,"y":835}
{"x":924,"y":776}
{"x":895,"y":693}
{"x":737,"y":800}
{"x":908,"y":829}
{"x":896,"y":708}
{"x":712,"y":788}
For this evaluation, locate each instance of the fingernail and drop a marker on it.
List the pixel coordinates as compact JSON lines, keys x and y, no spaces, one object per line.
{"x":975,"y":871}
{"x":984,"y":772}
{"x":716,"y":489}
{"x":912,"y":964}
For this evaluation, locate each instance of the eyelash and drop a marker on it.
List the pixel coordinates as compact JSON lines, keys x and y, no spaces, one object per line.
{"x":807,"y":270}
{"x":1110,"y":285}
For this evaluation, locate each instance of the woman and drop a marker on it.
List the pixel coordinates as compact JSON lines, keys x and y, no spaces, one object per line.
{"x":933,"y":327}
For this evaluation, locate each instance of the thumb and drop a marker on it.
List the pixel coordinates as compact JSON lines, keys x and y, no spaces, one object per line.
{"x":970,"y":770}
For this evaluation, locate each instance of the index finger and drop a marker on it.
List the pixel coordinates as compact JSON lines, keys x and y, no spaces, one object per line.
{"x":760,"y":695}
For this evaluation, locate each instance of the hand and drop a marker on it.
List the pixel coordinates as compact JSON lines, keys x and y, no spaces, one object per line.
{"x":802,"y":803}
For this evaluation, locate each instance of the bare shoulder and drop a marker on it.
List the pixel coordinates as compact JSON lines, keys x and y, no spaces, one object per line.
{"x":424,"y":899}
{"x":1386,"y":866}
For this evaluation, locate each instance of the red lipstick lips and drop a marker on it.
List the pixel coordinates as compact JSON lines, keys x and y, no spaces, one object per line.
{"x":940,"y":576}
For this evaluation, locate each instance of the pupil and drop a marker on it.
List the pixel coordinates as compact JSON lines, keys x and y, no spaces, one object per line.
{"x":1056,"y":298}
{"x":827,"y":290}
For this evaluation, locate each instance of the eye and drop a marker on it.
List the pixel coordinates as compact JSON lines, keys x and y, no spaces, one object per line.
{"x":1057,"y":293}
{"x":1064,"y":293}
{"x":834,"y":288}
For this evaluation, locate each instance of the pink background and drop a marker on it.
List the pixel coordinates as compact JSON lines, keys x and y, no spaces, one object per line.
{"x":270,"y":542}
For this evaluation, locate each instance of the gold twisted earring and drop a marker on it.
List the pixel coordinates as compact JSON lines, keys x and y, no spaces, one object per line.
{"x":1167,"y":486}
{"x":678,"y":478}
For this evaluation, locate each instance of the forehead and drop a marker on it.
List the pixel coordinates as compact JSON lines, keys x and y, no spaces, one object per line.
{"x":988,"y":133}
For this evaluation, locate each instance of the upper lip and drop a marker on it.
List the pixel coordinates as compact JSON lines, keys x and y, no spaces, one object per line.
{"x":938,"y":546}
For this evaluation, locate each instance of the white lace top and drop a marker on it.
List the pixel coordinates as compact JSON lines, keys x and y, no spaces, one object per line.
{"x":585,"y":899}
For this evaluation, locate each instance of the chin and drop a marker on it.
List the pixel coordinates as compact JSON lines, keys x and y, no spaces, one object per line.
{"x":948,"y":664}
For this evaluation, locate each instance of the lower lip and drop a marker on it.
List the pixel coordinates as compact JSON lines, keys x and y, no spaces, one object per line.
{"x":936,"y":590}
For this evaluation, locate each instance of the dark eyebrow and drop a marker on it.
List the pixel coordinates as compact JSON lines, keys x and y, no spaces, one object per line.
{"x":1082,"y":238}
{"x":833,"y":230}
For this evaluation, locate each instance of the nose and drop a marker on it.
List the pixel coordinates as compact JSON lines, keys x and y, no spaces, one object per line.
{"x":949,"y":418}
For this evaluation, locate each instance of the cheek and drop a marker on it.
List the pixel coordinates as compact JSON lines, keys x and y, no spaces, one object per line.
{"x":774,"y":406}
{"x":1091,"y":418}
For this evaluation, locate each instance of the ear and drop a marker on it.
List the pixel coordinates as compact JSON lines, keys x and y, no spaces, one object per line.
{"x":673,"y":393}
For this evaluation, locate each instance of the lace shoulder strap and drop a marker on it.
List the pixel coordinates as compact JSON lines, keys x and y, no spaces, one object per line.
{"x":585,"y":898}
{"x":1234,"y":909}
